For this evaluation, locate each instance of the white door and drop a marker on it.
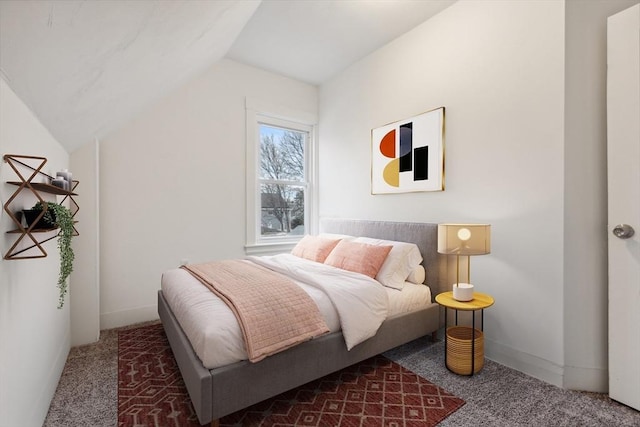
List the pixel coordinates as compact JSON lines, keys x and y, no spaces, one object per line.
{"x":623,"y":142}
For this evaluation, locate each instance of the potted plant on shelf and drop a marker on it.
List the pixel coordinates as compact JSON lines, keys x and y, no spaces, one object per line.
{"x":57,"y":215}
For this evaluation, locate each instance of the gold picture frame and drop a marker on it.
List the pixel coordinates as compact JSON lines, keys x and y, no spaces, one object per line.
{"x":408,"y":155}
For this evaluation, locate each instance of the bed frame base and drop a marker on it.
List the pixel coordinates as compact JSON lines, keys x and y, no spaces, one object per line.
{"x":227,"y":385}
{"x":216,"y":422}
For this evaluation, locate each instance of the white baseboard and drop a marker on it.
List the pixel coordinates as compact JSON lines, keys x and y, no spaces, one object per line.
{"x":529,"y":364}
{"x":586,"y":379}
{"x":568,"y":377}
{"x":116,"y":319}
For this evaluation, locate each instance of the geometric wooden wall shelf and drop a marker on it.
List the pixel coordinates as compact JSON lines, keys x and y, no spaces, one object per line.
{"x":29,"y":239}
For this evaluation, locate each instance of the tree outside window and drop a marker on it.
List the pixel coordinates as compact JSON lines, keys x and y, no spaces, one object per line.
{"x":282,"y":181}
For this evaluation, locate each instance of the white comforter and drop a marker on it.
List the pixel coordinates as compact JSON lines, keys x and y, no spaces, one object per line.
{"x":348,"y":301}
{"x":361,"y":302}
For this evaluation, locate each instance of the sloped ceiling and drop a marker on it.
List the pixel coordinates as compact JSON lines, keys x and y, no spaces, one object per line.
{"x":85,"y":68}
{"x":314,"y":40}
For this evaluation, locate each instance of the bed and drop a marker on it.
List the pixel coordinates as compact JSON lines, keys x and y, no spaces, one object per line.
{"x":222,"y":390}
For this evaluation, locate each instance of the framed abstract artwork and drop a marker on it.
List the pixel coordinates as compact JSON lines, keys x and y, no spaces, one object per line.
{"x":408,"y":155}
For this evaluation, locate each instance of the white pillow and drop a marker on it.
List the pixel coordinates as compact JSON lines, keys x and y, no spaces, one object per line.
{"x":417,"y":275}
{"x":400,"y":262}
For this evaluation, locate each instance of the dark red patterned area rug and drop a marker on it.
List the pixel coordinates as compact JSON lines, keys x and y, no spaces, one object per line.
{"x":376,"y":392}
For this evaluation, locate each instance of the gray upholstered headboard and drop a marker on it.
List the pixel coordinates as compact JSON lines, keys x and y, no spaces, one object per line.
{"x":424,"y":235}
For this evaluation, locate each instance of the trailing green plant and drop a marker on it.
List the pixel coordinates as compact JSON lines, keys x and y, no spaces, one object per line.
{"x":61,"y":216}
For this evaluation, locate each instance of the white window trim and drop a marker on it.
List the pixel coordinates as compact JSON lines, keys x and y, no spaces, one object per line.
{"x":257,"y":110}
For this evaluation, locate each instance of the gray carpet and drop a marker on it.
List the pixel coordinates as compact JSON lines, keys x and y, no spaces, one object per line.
{"x":496,"y":396}
{"x":87,"y":394}
{"x":499,"y":396}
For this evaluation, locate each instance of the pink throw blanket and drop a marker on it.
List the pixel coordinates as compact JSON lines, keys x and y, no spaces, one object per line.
{"x":273,"y":312}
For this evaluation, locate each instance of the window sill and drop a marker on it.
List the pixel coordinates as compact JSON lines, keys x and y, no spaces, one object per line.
{"x":269,"y":248}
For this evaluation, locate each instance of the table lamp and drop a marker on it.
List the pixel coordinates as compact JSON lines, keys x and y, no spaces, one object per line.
{"x":465,"y":240}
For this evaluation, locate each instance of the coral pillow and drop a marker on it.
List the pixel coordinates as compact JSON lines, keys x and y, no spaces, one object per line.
{"x":358,"y":257}
{"x":314,"y":248}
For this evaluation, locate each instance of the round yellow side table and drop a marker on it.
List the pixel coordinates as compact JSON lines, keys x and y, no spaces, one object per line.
{"x":463,"y":345}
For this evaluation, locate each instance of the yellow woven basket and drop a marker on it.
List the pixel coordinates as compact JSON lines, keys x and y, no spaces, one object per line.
{"x":459,"y":349}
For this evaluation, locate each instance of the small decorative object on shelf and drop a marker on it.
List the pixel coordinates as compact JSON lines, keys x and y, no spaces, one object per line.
{"x":45,"y":216}
{"x":32,"y":217}
{"x":60,"y":182}
{"x":65,"y":175}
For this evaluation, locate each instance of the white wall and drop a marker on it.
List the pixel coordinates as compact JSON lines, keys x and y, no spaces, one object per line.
{"x":172,"y":184}
{"x":498,"y":69}
{"x":85,"y":291}
{"x":524,"y":88}
{"x":34,"y":334}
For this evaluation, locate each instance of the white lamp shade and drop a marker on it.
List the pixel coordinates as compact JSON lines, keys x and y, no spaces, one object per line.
{"x":464,"y":239}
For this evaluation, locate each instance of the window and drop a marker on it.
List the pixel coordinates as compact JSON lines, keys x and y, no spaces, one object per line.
{"x":280,"y":181}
